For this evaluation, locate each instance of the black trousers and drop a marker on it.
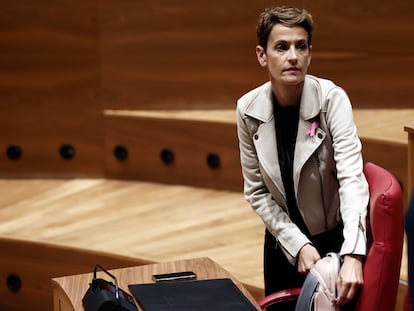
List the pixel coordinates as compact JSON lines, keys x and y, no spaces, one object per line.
{"x":280,"y":274}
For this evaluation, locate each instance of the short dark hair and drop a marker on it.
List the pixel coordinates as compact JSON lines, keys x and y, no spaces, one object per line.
{"x":289,"y":16}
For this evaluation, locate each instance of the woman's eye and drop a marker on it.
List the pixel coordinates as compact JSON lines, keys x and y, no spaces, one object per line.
{"x":281,"y":47}
{"x":302,"y":46}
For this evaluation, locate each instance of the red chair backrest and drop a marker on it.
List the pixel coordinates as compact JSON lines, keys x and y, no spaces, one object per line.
{"x":385,"y":232}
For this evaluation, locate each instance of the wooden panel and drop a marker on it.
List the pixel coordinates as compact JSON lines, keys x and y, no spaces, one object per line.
{"x":191,"y":141}
{"x":62,"y":62}
{"x":178,"y":53}
{"x":37,"y":263}
{"x":50,"y":87}
{"x":175,"y":53}
{"x":192,"y":134}
{"x":362,"y":47}
{"x":401,"y":294}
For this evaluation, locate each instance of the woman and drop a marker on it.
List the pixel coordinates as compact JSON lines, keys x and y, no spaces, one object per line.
{"x":301,"y":160}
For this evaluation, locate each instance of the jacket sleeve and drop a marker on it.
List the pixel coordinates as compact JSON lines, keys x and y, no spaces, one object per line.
{"x":276,"y":219}
{"x":353,"y":187}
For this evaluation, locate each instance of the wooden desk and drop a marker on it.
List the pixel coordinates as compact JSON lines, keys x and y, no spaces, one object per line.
{"x":410,"y":131}
{"x":68,"y":291}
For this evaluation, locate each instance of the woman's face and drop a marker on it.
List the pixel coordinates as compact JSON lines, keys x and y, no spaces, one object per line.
{"x":287,"y":56}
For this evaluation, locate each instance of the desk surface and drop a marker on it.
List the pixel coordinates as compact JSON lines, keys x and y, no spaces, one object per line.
{"x":409,"y":128}
{"x":68,"y":291}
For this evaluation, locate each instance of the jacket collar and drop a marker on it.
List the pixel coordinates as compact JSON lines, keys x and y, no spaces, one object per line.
{"x":261,"y":107}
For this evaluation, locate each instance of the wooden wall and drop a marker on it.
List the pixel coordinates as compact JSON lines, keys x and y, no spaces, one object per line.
{"x":50,"y":86}
{"x":175,"y":53}
{"x":62,"y":63}
{"x":366,"y":47}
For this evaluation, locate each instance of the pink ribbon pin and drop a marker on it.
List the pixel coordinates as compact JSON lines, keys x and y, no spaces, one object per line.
{"x":311,"y":131}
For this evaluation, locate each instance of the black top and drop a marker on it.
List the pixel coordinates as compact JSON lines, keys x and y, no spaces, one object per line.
{"x":286,"y":123}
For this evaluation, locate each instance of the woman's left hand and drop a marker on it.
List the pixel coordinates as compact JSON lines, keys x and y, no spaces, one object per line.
{"x":350,"y":278}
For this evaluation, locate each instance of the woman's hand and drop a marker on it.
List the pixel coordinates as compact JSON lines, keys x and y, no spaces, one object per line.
{"x":308,"y":256}
{"x":350,"y":279}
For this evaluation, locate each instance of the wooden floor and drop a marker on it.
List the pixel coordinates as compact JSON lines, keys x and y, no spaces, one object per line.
{"x":149,"y":221}
{"x":158,"y":222}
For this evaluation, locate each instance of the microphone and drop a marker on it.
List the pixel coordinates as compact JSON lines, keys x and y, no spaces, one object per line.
{"x":103,"y":295}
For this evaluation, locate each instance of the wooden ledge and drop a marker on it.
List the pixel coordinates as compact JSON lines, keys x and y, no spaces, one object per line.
{"x":214,"y":115}
{"x":377,"y":124}
{"x":383,"y":124}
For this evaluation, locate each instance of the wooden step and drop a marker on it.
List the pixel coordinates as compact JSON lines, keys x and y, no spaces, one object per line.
{"x":200,"y":148}
{"x":193,"y":135}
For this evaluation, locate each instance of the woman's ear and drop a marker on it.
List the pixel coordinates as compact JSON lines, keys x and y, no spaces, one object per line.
{"x":261,"y":56}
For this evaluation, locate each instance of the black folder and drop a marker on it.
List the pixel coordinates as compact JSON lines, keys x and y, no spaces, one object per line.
{"x":202,"y":295}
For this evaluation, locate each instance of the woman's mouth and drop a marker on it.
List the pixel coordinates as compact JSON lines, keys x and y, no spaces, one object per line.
{"x":292,"y":69}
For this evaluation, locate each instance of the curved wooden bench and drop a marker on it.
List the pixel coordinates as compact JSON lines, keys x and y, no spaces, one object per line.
{"x":34,"y":264}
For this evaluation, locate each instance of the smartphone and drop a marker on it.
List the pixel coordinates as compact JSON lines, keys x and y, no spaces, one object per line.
{"x":175,"y":276}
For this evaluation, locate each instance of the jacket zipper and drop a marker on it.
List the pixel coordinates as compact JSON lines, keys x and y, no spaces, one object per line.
{"x":360,"y":228}
{"x":318,"y":163}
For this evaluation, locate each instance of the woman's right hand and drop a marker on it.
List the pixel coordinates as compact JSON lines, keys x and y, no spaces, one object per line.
{"x":308,"y":256}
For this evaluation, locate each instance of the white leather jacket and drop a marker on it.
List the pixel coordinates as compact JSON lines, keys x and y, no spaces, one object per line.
{"x":328,"y":168}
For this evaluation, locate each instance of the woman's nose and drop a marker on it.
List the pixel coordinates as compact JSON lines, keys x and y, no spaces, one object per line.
{"x":292,"y":54}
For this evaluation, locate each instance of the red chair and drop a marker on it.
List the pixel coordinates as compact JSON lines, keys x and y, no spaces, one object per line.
{"x":385,"y":232}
